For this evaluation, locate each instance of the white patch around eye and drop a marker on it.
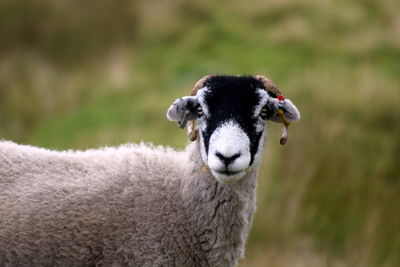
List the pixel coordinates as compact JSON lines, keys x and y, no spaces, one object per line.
{"x":261,"y":103}
{"x":259,"y":125}
{"x":202,"y":148}
{"x":200,"y":98}
{"x":202,"y":124}
{"x":260,"y":149}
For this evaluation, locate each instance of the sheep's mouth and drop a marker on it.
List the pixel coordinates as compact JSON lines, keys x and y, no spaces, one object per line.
{"x":228,"y":176}
{"x":229,"y":173}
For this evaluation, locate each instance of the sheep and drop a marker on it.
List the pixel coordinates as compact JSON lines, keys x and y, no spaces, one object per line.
{"x":145,"y":205}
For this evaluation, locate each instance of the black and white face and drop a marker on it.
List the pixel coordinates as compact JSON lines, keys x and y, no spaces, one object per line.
{"x":231,"y":112}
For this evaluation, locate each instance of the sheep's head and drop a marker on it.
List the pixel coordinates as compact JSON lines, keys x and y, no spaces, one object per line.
{"x":231,"y":112}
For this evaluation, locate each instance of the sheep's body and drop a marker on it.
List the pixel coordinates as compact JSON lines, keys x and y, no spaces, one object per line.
{"x":132,"y":205}
{"x":139,"y":205}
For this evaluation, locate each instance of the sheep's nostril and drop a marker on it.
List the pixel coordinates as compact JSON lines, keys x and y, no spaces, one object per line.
{"x":227,"y":160}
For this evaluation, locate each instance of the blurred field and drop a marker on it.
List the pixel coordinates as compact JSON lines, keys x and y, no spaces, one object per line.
{"x":80,"y":74}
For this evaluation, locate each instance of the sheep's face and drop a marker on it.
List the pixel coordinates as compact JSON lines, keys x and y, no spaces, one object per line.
{"x":231,"y":112}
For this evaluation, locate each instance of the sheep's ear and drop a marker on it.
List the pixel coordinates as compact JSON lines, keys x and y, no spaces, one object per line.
{"x":283,"y":111}
{"x":182,"y":110}
{"x":288,"y":108}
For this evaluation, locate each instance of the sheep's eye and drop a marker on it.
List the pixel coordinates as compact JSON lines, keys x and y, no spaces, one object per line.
{"x":199,"y":111}
{"x":263,"y":113}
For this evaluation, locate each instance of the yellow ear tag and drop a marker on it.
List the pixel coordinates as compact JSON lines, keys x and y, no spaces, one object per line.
{"x":282,"y":117}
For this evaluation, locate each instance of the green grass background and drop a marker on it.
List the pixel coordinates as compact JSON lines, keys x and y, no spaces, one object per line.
{"x":83,"y":74}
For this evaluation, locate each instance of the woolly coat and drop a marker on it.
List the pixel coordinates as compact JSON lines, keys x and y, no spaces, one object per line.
{"x":134,"y":205}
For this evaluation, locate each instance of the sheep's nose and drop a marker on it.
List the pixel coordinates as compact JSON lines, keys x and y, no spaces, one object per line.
{"x":227,"y":160}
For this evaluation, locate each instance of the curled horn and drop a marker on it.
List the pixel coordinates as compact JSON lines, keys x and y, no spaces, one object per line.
{"x":192,"y":132}
{"x":274,"y":91}
{"x":269,"y":86}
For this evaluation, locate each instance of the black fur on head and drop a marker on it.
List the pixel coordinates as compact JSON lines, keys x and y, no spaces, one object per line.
{"x":233,"y":98}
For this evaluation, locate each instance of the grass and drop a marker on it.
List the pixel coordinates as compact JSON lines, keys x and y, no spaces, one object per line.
{"x":327,"y":198}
